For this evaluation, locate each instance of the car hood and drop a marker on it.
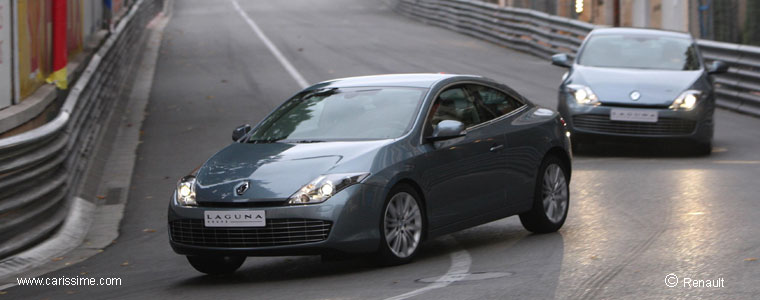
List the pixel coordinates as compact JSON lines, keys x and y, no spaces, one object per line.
{"x":614,"y":86}
{"x":274,"y":171}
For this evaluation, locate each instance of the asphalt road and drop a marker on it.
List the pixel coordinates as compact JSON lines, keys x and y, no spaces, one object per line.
{"x":637,"y":214}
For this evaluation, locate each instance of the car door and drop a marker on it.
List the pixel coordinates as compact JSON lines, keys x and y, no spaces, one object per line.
{"x":462,"y":180}
{"x":518,"y":158}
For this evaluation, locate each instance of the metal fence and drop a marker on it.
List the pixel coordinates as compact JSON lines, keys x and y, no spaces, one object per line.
{"x":41,"y":169}
{"x":739,"y":89}
{"x":519,"y":28}
{"x":542,"y":35}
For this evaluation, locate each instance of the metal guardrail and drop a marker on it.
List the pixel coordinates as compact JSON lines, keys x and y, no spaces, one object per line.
{"x":527,"y":30}
{"x":542,"y":35}
{"x":41,"y":169}
{"x":739,"y":88}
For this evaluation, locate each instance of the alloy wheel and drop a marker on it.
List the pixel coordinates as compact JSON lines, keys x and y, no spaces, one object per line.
{"x":403,"y":225}
{"x":554,"y":193}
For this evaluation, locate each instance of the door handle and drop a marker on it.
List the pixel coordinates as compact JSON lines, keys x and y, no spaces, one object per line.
{"x":495,"y":148}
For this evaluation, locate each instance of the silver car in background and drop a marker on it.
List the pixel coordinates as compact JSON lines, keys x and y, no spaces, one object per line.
{"x":639,"y":84}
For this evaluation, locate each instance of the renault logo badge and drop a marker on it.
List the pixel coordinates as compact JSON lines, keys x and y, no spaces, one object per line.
{"x":635,"y":95}
{"x":241,"y":188}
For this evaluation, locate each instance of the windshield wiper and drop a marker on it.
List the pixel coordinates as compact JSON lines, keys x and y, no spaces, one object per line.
{"x":307,"y":141}
{"x":321,"y":92}
{"x":266,"y":141}
{"x":274,"y":140}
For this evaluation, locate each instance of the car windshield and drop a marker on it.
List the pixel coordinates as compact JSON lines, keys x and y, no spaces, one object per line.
{"x":639,"y":52}
{"x":342,"y":114}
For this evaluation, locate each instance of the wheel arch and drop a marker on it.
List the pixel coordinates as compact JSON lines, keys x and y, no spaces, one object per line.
{"x":563,"y":156}
{"x":414,"y":185}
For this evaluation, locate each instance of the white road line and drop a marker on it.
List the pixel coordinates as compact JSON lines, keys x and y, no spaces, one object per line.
{"x":738,"y":162}
{"x":276,"y":52}
{"x":460,"y":265}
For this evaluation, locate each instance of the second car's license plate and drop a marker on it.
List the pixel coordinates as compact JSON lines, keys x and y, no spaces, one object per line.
{"x":633,"y":115}
{"x":234,"y":218}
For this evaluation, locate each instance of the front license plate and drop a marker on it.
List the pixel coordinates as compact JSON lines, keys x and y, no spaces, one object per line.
{"x":235,"y":218}
{"x":633,"y":115}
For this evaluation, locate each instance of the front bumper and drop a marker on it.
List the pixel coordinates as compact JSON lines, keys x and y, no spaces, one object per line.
{"x":348,"y":222}
{"x":589,"y":121}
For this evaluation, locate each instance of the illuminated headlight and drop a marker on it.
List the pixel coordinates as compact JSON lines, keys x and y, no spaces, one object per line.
{"x":687,"y":100}
{"x":186,"y":191}
{"x":324,"y":187}
{"x":582,"y":94}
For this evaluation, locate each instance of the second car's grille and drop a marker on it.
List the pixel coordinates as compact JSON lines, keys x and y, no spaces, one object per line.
{"x":277,"y":232}
{"x":664,"y":126}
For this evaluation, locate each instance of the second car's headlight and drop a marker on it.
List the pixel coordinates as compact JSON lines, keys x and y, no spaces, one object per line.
{"x":687,"y":100}
{"x":582,"y":94}
{"x":324,"y":186}
{"x":186,"y":191}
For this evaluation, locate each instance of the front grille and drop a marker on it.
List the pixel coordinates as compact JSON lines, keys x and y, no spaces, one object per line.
{"x":634,"y":105}
{"x":664,"y":126}
{"x":278,"y":232}
{"x":241,"y":204}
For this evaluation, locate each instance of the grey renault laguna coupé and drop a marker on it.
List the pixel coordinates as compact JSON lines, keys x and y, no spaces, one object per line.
{"x":375,"y":165}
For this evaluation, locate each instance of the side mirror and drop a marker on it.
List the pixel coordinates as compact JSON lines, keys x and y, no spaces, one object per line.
{"x":561,"y":60}
{"x":717,"y":67}
{"x":240,"y":132}
{"x":447,"y":129}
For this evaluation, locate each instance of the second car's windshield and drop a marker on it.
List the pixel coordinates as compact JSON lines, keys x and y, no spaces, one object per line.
{"x":639,"y":52}
{"x":342,"y":114}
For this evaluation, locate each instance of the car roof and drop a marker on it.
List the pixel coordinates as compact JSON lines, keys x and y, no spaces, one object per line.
{"x":422,"y":80}
{"x":641,"y":31}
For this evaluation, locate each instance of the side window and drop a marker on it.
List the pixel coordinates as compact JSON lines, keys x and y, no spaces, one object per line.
{"x":455,"y":104}
{"x":492,"y":103}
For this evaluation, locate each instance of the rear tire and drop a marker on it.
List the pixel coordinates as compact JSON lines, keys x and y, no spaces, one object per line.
{"x":402,"y":226}
{"x":551,"y":198}
{"x":216,"y":265}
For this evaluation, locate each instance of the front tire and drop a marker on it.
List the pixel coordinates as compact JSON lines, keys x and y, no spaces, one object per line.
{"x":703,"y":148}
{"x":551,"y":198}
{"x":580,"y":143}
{"x":402,"y":225}
{"x":576,"y":146}
{"x":216,"y":265}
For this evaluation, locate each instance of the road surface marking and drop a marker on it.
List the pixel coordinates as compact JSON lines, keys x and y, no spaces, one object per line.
{"x":738,"y":162}
{"x":460,"y":265}
{"x":276,"y":52}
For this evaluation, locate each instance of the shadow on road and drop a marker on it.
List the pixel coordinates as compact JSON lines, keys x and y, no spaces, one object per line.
{"x":509,"y":241}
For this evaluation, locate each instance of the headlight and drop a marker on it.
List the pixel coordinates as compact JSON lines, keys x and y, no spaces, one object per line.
{"x":322,"y":188}
{"x":687,"y":100}
{"x":186,"y":191}
{"x":582,"y":94}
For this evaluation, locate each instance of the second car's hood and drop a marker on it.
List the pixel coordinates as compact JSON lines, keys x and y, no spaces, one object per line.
{"x":656,"y":87}
{"x":273,"y":171}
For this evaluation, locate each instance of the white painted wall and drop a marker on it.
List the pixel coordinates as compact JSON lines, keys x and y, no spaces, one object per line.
{"x":609,"y":12}
{"x":675,"y":15}
{"x":641,"y":13}
{"x":6,"y":60}
{"x":93,"y":16}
